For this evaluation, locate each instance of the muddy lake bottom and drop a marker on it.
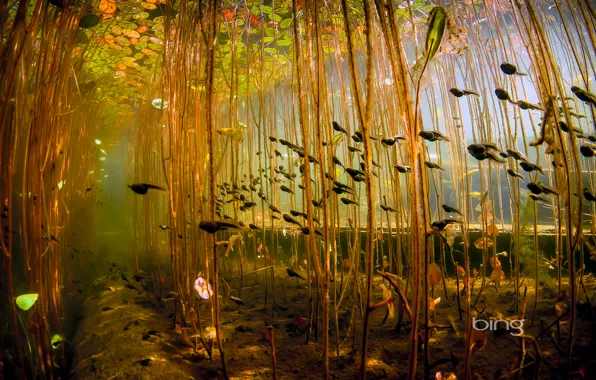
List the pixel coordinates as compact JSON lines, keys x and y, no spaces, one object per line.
{"x":122,"y":328}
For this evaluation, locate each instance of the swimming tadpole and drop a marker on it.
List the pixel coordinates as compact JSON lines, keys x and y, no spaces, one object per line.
{"x":402,"y":168}
{"x":584,"y":95}
{"x":451,"y":209}
{"x":212,"y":226}
{"x":338,"y":128}
{"x":347,"y":201}
{"x":588,"y":195}
{"x":432,"y":165}
{"x":143,"y":188}
{"x":238,"y":301}
{"x":515,"y":174}
{"x":292,"y":273}
{"x":502,"y":94}
{"x":433,"y":136}
{"x":510,"y":69}
{"x":459,"y":93}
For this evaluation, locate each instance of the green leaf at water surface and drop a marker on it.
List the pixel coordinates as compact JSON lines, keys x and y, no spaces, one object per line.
{"x":402,"y":13}
{"x":270,"y":32}
{"x":56,"y":340}
{"x":275,"y":17}
{"x":285,"y":23}
{"x":89,"y":21}
{"x":26,"y":301}
{"x":81,"y":38}
{"x":128,"y":25}
{"x":436,"y":27}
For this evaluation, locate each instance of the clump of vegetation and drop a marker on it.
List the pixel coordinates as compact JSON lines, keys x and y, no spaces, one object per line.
{"x":527,"y":254}
{"x":526,"y":211}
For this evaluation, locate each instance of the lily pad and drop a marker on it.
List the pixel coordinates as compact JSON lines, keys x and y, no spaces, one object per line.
{"x":26,"y":301}
{"x":81,"y":38}
{"x":286,"y":23}
{"x":56,"y":340}
{"x":89,"y":21}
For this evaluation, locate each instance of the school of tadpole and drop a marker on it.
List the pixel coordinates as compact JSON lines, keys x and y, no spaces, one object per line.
{"x":297,"y":189}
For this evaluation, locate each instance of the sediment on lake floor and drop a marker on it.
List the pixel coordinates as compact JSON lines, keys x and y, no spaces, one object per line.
{"x":124,"y":334}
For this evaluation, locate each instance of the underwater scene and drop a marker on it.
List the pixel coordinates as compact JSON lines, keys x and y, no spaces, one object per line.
{"x":297,"y":189}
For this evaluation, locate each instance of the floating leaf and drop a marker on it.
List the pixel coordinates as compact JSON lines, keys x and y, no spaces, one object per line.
{"x":148,"y":52}
{"x":436,"y":28}
{"x":497,"y":275}
{"x":434,"y":274}
{"x":483,"y":242}
{"x":148,"y":6}
{"x":130,"y":33}
{"x":155,"y":40}
{"x":107,"y":6}
{"x":495,"y":260}
{"x":56,"y":340}
{"x":89,"y":21}
{"x":487,"y":207}
{"x":82,"y":38}
{"x":488,"y":216}
{"x":26,"y":301}
{"x":492,"y":230}
{"x":270,"y":32}
{"x":122,"y":41}
{"x":286,"y":23}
